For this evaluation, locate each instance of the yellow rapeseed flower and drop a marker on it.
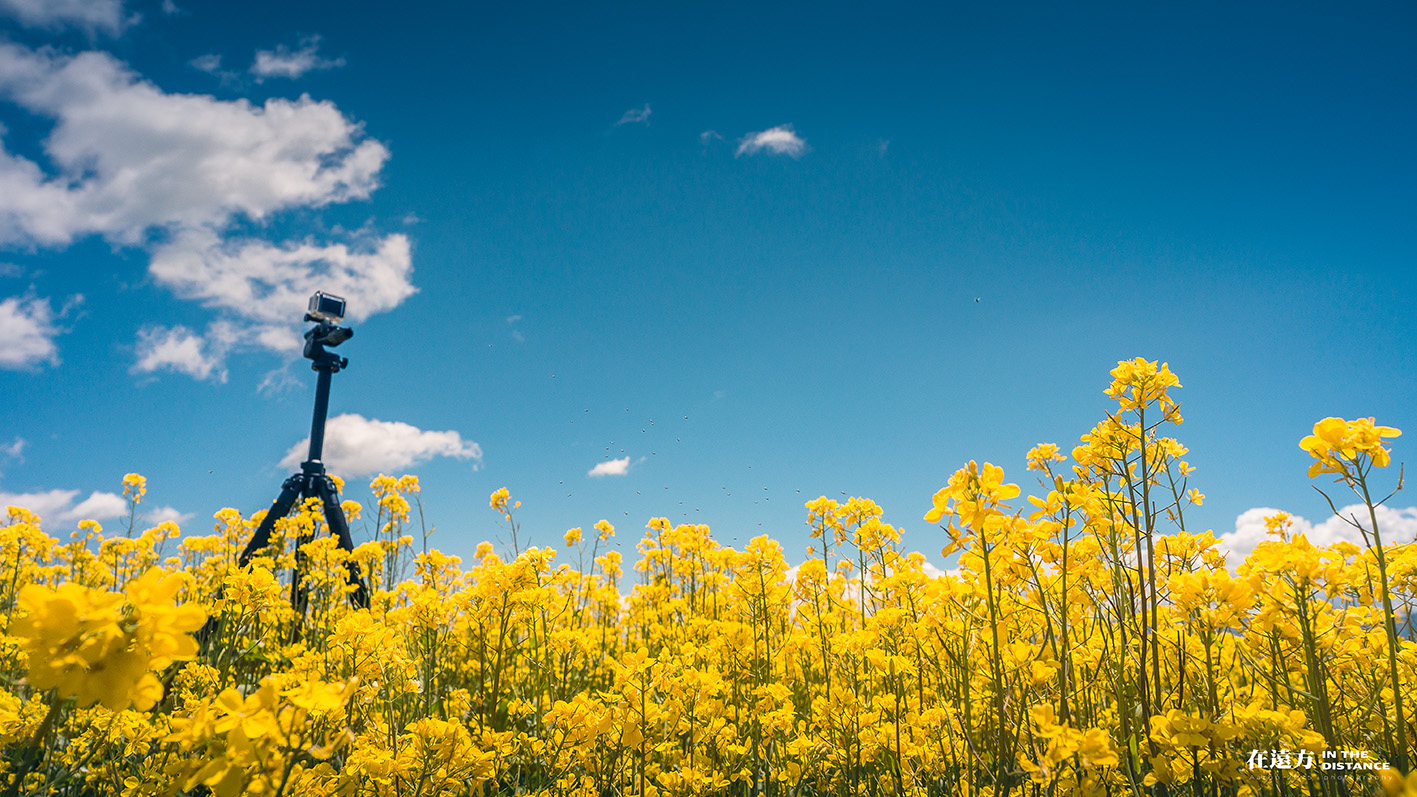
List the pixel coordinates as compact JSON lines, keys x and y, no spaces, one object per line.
{"x":1338,"y":444}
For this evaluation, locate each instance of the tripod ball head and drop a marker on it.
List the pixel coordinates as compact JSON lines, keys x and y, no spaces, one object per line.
{"x":326,"y":311}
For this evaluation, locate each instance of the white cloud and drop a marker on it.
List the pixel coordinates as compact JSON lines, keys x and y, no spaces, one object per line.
{"x":780,"y":140}
{"x":635,"y":116}
{"x":183,"y":351}
{"x":210,"y":63}
{"x":59,"y":507}
{"x":1396,"y":525}
{"x":27,"y":333}
{"x":165,"y":514}
{"x":100,"y":506}
{"x":128,"y":159}
{"x":287,"y":63}
{"x":709,"y":136}
{"x":271,"y":283}
{"x":15,"y":450}
{"x":277,"y":381}
{"x":935,"y":572}
{"x":264,"y":288}
{"x":131,"y":157}
{"x":615,"y":467}
{"x":90,"y":15}
{"x":49,"y":505}
{"x":358,"y":446}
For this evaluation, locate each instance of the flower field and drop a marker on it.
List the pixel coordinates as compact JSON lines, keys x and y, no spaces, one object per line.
{"x":1089,"y":642}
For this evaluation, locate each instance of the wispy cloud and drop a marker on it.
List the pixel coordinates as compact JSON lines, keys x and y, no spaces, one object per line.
{"x":28,"y":330}
{"x":14,"y":450}
{"x":209,"y":63}
{"x":614,"y":467}
{"x":635,"y":116}
{"x":709,"y":136}
{"x":180,"y":350}
{"x":105,"y":16}
{"x":287,"y":63}
{"x":27,"y":333}
{"x":359,"y":446}
{"x":780,"y":140}
{"x":277,"y":381}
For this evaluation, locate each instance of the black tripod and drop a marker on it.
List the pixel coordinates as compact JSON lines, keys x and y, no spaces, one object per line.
{"x":312,"y":481}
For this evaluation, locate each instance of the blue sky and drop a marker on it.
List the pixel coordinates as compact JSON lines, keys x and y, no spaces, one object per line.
{"x":755,"y":254}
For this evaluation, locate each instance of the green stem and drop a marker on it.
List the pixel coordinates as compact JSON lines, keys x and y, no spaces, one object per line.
{"x":1389,"y":625}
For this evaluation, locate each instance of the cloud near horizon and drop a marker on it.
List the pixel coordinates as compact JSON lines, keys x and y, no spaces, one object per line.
{"x":60,"y":506}
{"x":1396,"y":525}
{"x":358,"y":446}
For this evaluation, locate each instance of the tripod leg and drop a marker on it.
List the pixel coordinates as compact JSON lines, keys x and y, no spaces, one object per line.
{"x":289,"y":494}
{"x":334,"y":516}
{"x":299,"y":594}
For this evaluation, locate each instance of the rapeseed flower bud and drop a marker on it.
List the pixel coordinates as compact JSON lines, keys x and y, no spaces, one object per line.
{"x":134,"y":487}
